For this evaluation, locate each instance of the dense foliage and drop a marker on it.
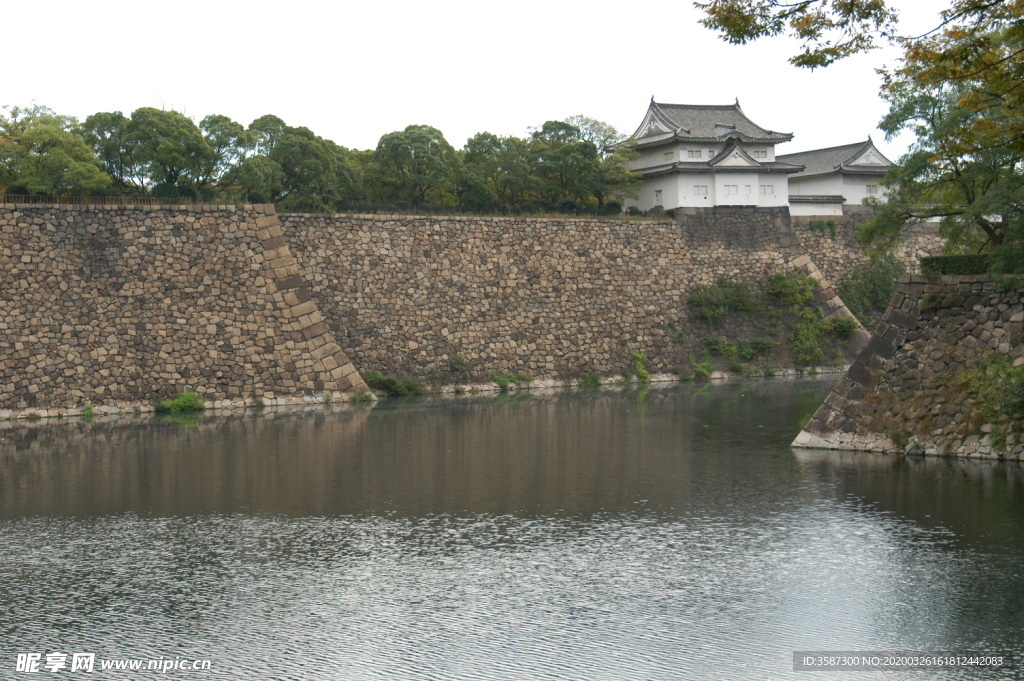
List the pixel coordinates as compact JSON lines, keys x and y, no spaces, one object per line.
{"x":777,"y":313}
{"x":955,"y":264}
{"x":957,"y":88}
{"x":868,"y":289}
{"x":577,"y":165}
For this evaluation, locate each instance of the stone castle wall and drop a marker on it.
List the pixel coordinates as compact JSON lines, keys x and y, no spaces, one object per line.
{"x":838,"y":255}
{"x":122,"y":305}
{"x":417,"y":295}
{"x":118,"y":306}
{"x":915,"y":387}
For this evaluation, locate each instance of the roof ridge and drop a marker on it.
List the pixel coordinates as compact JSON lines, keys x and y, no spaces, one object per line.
{"x":701,"y":106}
{"x":835,"y":148}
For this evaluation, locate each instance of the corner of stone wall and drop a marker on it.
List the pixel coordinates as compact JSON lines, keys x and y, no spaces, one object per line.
{"x":307,"y":325}
{"x":829,"y":301}
{"x":835,"y":424}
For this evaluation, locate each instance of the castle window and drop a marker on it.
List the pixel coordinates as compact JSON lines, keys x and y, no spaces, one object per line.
{"x":668,"y":155}
{"x":732,"y":189}
{"x":694,"y":154}
{"x":760,"y":153}
{"x":767,"y":189}
{"x":700,"y":189}
{"x":871,"y":188}
{"x":657,"y":197}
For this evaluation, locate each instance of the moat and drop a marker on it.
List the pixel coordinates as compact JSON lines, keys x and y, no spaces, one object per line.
{"x":669,"y":533}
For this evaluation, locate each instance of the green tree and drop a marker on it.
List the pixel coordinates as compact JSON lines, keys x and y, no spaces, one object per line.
{"x":603,"y":136}
{"x":107,"y":133}
{"x":615,"y":178}
{"x":583,"y":165}
{"x":291,"y":167}
{"x":264,"y":133}
{"x":45,"y":153}
{"x":417,"y":164}
{"x":828,"y":29}
{"x":975,"y":188}
{"x":230,"y":142}
{"x":958,"y":88}
{"x":257,"y":178}
{"x":315,"y":173}
{"x":170,"y":148}
{"x":501,"y":165}
{"x":565,"y":163}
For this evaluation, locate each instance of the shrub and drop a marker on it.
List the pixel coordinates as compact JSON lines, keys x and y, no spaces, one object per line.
{"x":867,"y":291}
{"x":790,"y":289}
{"x":184,"y":402}
{"x":401,"y":387}
{"x":842,"y":327}
{"x":1012,"y":402}
{"x":712,"y":303}
{"x":639,"y":361}
{"x":716,"y":346}
{"x":360,"y":396}
{"x":457,"y":364}
{"x":1009,"y":259}
{"x":762,"y":346}
{"x":707,"y":303}
{"x":749,"y":348}
{"x":591,"y":379}
{"x":804,"y":340}
{"x":955,"y":264}
{"x":703,"y":370}
{"x":510,"y":378}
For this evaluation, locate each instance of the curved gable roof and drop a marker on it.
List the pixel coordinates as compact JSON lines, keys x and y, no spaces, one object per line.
{"x":859,"y":157}
{"x":702,"y":122}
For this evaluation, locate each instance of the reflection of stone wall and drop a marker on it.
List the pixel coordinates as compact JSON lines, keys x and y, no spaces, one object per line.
{"x":122,"y":305}
{"x":542,"y":295}
{"x":909,"y":383}
{"x":545,"y":452}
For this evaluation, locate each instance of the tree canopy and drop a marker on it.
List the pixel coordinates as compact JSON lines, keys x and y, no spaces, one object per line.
{"x":827,"y":29}
{"x":577,"y":165}
{"x":959,"y":88}
{"x":44,"y":152}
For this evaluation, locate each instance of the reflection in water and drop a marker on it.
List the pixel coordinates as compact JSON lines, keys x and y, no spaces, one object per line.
{"x":553,"y":453}
{"x":674,"y":536}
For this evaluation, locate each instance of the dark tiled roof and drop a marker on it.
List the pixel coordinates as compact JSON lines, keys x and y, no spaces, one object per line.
{"x":834,"y":159}
{"x":710,"y":122}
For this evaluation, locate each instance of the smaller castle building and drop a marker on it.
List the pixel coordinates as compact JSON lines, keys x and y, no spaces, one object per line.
{"x":702,"y":156}
{"x":834,"y":177}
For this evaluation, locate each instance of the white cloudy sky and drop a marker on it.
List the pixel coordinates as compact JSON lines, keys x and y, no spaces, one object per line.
{"x":353,"y":71}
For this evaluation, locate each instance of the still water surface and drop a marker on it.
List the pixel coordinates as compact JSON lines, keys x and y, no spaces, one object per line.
{"x":671,"y":534}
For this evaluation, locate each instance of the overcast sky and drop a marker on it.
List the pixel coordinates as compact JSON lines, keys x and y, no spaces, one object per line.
{"x":353,"y":71}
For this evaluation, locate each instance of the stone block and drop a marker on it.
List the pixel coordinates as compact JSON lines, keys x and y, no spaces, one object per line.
{"x":314,"y":330}
{"x":861,"y":375}
{"x":274,"y":242}
{"x":302,"y":309}
{"x":292,"y":281}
